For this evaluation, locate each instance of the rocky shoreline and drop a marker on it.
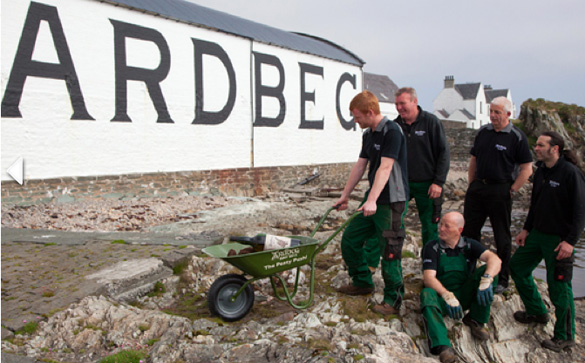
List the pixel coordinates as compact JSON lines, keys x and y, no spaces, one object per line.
{"x":172,"y":323}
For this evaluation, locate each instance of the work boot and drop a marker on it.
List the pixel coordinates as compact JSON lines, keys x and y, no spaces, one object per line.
{"x":386,"y":309}
{"x":355,"y":290}
{"x":525,"y":318}
{"x":447,"y":355}
{"x":557,"y":344}
{"x":477,"y":329}
{"x":500,"y":290}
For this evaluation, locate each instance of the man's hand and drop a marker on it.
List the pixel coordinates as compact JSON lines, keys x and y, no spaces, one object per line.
{"x":368,"y":208}
{"x":521,"y":238}
{"x":435,"y":191}
{"x":341,"y":204}
{"x":453,"y":307}
{"x":564,"y":250}
{"x":485,"y":294}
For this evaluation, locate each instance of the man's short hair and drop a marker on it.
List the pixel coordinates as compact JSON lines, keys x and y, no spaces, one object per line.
{"x":503,"y":102}
{"x":411,"y":91}
{"x":365,"y":101}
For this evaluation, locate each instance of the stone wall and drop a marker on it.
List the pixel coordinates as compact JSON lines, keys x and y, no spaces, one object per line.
{"x":233,"y":182}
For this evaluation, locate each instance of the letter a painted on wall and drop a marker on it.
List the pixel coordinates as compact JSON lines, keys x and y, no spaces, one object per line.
{"x":24,"y":66}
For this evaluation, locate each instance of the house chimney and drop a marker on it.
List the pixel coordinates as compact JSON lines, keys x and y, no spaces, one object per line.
{"x":449,"y":82}
{"x":488,"y":87}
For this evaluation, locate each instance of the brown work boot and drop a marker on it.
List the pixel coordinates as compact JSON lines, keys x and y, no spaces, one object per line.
{"x":447,"y":355}
{"x":525,"y":318}
{"x":355,"y":290}
{"x":386,"y":309}
{"x":557,"y":344}
{"x":477,"y":329}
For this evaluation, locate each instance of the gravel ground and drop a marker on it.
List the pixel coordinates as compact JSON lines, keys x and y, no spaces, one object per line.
{"x":109,"y":215}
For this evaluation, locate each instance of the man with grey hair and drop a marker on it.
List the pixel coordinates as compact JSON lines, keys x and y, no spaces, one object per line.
{"x":500,"y":164}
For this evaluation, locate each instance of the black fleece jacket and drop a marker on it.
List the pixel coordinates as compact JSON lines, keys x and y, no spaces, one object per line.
{"x":557,"y":205}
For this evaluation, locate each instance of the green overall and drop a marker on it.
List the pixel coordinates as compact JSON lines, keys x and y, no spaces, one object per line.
{"x":538,"y":246}
{"x":372,"y":246}
{"x":453,"y":274}
{"x":353,"y":250}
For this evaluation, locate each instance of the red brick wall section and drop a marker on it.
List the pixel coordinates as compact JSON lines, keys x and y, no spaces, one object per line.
{"x":230,"y":182}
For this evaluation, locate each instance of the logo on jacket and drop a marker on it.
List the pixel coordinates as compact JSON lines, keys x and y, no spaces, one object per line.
{"x":554,"y":184}
{"x":377,"y":147}
{"x":501,"y":147}
{"x":420,"y":133}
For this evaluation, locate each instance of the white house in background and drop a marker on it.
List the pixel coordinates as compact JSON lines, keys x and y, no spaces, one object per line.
{"x":467,"y":102}
{"x":384,"y":88}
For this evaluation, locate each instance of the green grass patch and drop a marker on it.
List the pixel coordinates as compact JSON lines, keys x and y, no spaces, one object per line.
{"x":158,"y":290}
{"x":50,"y":244}
{"x":180,"y":267}
{"x":118,"y":242}
{"x":125,"y":356}
{"x":408,"y":254}
{"x":28,"y":328}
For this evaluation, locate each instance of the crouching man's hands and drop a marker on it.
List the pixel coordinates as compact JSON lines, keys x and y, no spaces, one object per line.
{"x":485,"y":293}
{"x":453,"y":306}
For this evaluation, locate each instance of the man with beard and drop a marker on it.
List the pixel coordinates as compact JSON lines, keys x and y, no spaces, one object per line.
{"x":555,"y":220}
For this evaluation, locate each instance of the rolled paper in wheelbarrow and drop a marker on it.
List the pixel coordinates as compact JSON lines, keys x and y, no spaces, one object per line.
{"x":266,"y":242}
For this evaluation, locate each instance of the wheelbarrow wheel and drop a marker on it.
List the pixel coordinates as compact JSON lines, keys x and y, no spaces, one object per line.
{"x":220,"y":295}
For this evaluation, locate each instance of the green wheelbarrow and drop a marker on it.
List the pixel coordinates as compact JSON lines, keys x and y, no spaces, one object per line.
{"x":231,"y":296}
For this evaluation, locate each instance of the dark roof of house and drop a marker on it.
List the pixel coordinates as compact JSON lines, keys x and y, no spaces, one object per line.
{"x":198,"y":15}
{"x":382,"y":86}
{"x":468,"y":114}
{"x":468,"y":90}
{"x":491,"y":94}
{"x":443,"y":113}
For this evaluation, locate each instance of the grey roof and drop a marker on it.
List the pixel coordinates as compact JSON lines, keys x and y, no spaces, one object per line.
{"x":382,"y":86}
{"x":491,"y":94}
{"x":443,"y":113}
{"x":467,"y":113}
{"x":468,"y":90}
{"x":198,"y":15}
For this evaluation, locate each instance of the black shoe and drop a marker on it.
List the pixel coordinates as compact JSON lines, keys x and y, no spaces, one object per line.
{"x":524,"y":318}
{"x":477,"y":329}
{"x":447,"y":355}
{"x":557,"y":344}
{"x":354,"y":290}
{"x":500,"y":290}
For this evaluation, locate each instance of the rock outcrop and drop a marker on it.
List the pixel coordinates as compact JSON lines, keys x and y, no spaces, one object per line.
{"x":539,"y":115}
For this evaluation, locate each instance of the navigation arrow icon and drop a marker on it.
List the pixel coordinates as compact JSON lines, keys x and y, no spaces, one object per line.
{"x":16,"y":170}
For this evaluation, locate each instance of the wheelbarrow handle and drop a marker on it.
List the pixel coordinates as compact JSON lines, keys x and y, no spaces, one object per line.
{"x":324,"y":244}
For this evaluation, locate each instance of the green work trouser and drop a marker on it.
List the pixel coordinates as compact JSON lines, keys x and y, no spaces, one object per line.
{"x":434,"y":308}
{"x":424,"y":205}
{"x":353,"y":242}
{"x":539,"y":245}
{"x":372,"y":246}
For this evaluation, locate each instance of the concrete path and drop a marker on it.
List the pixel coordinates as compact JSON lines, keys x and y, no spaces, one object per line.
{"x":46,"y":271}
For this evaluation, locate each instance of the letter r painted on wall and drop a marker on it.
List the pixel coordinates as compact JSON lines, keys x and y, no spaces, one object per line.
{"x":151,"y":77}
{"x":24,"y":66}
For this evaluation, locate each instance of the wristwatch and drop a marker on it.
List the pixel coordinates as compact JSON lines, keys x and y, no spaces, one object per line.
{"x":487,"y":276}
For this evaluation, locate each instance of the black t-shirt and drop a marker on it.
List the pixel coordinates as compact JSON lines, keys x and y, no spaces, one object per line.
{"x":499,"y":153}
{"x":470,"y":247}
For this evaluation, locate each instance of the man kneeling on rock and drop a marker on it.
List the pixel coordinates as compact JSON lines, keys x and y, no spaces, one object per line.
{"x":452,"y":284}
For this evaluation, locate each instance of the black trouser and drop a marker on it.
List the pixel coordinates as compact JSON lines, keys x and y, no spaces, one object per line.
{"x":493,"y":201}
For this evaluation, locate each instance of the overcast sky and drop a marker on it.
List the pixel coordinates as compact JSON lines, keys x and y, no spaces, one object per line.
{"x":536,"y":48}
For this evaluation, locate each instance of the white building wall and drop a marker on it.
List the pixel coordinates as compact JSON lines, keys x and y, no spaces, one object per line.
{"x":54,"y":145}
{"x":448,"y":99}
{"x":389,"y":110}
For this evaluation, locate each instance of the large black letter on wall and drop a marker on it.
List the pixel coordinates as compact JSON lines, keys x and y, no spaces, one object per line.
{"x":346,"y":77}
{"x":24,"y":66}
{"x":151,"y":77}
{"x":266,"y":91}
{"x":206,"y":117}
{"x":309,"y":96}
